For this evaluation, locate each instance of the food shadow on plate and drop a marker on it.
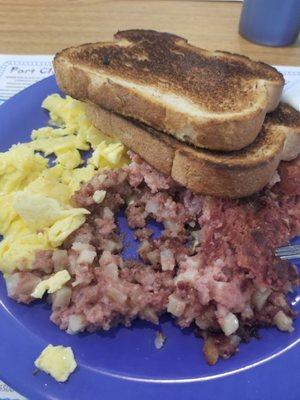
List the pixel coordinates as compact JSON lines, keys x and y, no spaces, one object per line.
{"x":166,"y":322}
{"x":130,"y":243}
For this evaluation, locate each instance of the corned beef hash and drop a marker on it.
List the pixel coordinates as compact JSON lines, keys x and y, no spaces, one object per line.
{"x":213,"y":266}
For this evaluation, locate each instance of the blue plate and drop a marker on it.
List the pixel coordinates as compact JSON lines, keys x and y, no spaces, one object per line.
{"x":123,"y":363}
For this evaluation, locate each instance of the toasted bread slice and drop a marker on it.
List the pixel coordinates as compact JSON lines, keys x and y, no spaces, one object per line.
{"x":235,"y":174}
{"x":287,"y":119}
{"x":214,"y":100}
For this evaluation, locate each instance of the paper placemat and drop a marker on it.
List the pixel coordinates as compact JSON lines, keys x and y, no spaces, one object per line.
{"x":20,"y":71}
{"x":6,"y":393}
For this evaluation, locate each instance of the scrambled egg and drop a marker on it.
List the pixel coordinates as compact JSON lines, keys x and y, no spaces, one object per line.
{"x":18,"y":247}
{"x":52,"y":284}
{"x":107,"y":155}
{"x":58,"y":361}
{"x":35,"y":193}
{"x":18,"y":167}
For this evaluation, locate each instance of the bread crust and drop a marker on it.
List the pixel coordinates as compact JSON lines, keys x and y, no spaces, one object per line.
{"x":234,"y":175}
{"x":206,"y":178}
{"x":224,"y":96}
{"x":288,"y":120}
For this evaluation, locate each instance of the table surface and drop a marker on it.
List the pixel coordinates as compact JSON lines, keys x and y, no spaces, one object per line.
{"x":46,"y":26}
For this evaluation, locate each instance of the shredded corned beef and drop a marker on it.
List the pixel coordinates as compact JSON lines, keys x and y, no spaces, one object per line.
{"x":212,"y":266}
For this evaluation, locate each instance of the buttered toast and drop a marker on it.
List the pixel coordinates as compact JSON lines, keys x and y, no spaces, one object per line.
{"x":214,"y":100}
{"x":230,"y":174}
